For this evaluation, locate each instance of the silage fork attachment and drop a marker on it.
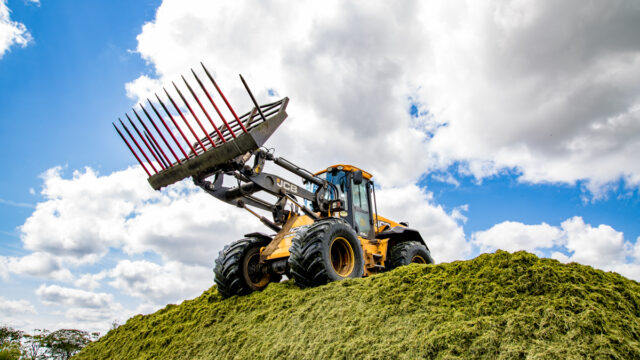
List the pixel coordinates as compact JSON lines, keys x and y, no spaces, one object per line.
{"x":175,"y":156}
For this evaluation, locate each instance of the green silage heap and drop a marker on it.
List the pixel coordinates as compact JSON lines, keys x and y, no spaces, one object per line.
{"x":496,"y":306}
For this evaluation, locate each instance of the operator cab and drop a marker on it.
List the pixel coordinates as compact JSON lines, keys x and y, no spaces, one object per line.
{"x":355,"y":189}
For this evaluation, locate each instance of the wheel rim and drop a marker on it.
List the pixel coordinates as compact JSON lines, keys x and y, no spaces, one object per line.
{"x":418,"y":260}
{"x":342,"y":256}
{"x":254,"y":272}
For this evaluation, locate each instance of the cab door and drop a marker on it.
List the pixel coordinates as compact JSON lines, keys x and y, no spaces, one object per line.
{"x":361,"y":209}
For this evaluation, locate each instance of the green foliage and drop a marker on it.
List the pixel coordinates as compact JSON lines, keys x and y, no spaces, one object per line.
{"x":10,"y":342}
{"x":9,"y":335}
{"x":10,"y":352}
{"x":496,"y":306}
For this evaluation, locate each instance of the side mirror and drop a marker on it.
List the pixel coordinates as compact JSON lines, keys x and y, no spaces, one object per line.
{"x":357,"y":177}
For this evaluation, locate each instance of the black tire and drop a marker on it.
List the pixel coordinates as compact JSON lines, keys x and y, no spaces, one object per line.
{"x":329,"y":250}
{"x":237,"y":271}
{"x":408,"y":252}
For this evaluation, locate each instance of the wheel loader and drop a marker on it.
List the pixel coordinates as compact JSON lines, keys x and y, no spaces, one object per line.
{"x":326,"y":229}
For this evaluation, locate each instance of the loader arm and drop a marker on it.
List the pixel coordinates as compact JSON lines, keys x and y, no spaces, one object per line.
{"x":252,"y":180}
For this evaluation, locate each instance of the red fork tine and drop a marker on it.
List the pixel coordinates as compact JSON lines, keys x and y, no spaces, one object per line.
{"x":146,"y":134}
{"x":138,"y":146}
{"x":223,"y":98}
{"x":145,"y":141}
{"x":176,"y":125}
{"x":203,"y":109}
{"x":153,"y":139}
{"x":213,"y":103}
{"x":168,"y":130}
{"x":160,"y":133}
{"x":253,"y":99}
{"x":194,"y":115}
{"x":185,"y":121}
{"x":131,"y":149}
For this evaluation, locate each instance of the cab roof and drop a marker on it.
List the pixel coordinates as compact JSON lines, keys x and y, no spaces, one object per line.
{"x":348,"y":168}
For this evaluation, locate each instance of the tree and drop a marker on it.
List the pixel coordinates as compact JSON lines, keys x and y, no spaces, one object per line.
{"x":34,"y":347}
{"x":10,"y":342}
{"x":64,"y":343}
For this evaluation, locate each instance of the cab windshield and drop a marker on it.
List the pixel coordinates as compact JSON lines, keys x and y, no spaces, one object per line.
{"x":339,"y":179}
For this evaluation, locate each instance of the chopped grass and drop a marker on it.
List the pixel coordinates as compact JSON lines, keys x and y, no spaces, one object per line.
{"x":496,"y":306}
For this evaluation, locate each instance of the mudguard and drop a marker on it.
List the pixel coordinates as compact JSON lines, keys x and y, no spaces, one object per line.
{"x":399,"y":234}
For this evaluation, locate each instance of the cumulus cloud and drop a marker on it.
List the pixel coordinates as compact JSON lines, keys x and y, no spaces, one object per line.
{"x":82,"y":309}
{"x":601,"y":246}
{"x":143,"y":88}
{"x":90,"y":281}
{"x":83,"y":216}
{"x":536,"y":88}
{"x":160,"y":284}
{"x":54,"y":294}
{"x":574,"y":240}
{"x":38,"y":264}
{"x":13,"y":307}
{"x":514,"y":236}
{"x":11,"y":32}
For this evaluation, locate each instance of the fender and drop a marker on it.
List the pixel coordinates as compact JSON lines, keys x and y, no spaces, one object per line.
{"x":259,"y":235}
{"x":400,"y":234}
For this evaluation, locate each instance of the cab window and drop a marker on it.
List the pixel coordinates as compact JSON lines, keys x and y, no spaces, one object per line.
{"x":339,"y":179}
{"x":361,"y":215}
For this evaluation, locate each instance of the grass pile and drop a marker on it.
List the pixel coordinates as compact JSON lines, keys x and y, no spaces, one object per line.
{"x":496,"y":306}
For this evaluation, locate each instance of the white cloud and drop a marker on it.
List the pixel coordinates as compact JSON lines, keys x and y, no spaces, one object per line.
{"x":11,"y":32}
{"x":539,"y":88}
{"x":602,"y":247}
{"x":80,"y":309}
{"x":14,"y":307}
{"x":90,"y":281}
{"x":143,"y":88}
{"x":37,"y":264}
{"x":82,"y":217}
{"x":160,"y":284}
{"x":54,"y":294}
{"x":514,"y":236}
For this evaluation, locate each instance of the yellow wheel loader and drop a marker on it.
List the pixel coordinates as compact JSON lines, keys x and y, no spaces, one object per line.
{"x":326,"y":230}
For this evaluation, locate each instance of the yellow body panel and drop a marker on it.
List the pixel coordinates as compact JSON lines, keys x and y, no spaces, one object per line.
{"x":279,"y":246}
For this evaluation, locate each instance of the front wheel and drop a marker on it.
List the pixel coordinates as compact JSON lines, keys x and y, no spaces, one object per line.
{"x":238,"y":270}
{"x":328,"y":250}
{"x":408,"y":252}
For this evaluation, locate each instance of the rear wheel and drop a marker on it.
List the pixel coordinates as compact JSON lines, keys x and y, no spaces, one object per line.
{"x":238,"y":270}
{"x":408,"y":252}
{"x":329,"y":250}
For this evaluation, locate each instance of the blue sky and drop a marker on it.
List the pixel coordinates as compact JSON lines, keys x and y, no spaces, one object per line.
{"x":487,"y":179}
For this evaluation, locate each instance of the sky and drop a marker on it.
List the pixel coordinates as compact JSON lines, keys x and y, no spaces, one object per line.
{"x":486,"y":125}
